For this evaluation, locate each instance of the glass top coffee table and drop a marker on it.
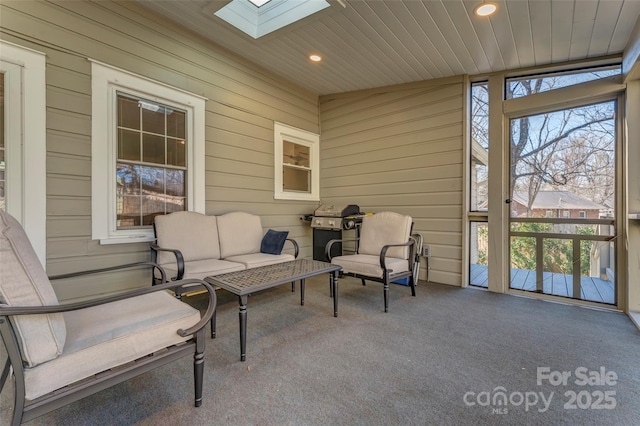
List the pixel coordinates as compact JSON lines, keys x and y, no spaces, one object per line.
{"x":243,"y":283}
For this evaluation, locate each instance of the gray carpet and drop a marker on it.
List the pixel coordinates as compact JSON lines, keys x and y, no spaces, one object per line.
{"x":417,"y":364}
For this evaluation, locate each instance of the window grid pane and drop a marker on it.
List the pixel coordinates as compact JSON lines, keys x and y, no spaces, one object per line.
{"x":296,"y":179}
{"x":295,"y":154}
{"x":128,"y":113}
{"x":153,"y":149}
{"x":128,"y":145}
{"x":176,"y":152}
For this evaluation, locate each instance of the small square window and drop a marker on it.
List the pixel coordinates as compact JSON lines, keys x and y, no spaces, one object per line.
{"x":296,"y":163}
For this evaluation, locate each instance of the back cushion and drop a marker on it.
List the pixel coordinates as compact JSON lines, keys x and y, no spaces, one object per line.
{"x":23,"y":282}
{"x":240,"y":233}
{"x":382,"y":229}
{"x":194,"y":234}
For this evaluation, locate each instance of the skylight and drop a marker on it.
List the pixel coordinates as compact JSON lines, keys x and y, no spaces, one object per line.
{"x":269,"y":15}
{"x":259,"y":3}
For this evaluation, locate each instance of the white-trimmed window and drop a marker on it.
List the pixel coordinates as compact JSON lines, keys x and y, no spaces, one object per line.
{"x":147,"y":153}
{"x":23,"y":153}
{"x":297,"y":164}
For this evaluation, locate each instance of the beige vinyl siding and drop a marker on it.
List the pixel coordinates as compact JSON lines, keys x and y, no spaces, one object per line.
{"x":400,"y":149}
{"x":244,"y":101}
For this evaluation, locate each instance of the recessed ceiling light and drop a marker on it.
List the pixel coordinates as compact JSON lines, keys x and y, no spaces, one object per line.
{"x":485,"y":9}
{"x":315,"y":58}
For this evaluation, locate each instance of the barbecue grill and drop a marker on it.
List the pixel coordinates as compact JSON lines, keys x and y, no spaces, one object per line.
{"x":328,"y":223}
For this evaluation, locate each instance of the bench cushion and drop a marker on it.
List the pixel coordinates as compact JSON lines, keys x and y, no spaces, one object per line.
{"x":23,"y":282}
{"x":110,"y":335}
{"x":194,"y":234}
{"x":240,"y":233}
{"x":254,"y":260}
{"x":369,"y":265}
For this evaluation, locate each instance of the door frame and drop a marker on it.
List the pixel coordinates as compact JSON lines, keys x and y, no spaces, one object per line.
{"x":501,"y":111}
{"x":25,"y":140}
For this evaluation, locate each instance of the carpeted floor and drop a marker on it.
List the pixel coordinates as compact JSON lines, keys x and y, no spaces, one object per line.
{"x":449,"y":356}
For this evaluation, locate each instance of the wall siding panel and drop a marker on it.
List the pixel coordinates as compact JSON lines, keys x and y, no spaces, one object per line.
{"x":243,"y":102}
{"x":69,"y":186}
{"x":66,"y":143}
{"x":400,"y":149}
{"x":67,"y":206}
{"x":68,"y":122}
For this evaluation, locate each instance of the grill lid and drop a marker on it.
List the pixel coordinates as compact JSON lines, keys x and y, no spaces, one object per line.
{"x":331,"y":210}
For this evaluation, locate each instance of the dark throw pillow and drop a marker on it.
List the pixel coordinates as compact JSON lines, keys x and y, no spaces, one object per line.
{"x":273,"y":241}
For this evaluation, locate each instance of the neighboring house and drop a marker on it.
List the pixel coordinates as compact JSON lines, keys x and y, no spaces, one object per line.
{"x":557,"y":204}
{"x":608,"y":208}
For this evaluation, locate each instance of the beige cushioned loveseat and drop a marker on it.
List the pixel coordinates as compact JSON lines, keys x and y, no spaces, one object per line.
{"x":194,"y":245}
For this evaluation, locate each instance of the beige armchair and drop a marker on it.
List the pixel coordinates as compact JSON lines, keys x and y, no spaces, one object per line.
{"x":386,"y":252}
{"x":58,"y":354}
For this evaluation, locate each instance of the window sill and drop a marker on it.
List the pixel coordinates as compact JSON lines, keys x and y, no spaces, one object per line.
{"x":127,"y":240}
{"x":296,"y":197}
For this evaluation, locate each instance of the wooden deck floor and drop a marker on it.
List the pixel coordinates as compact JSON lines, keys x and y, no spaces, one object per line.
{"x":592,"y":289}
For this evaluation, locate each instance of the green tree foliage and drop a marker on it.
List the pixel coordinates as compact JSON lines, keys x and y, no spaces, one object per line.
{"x":558,"y":253}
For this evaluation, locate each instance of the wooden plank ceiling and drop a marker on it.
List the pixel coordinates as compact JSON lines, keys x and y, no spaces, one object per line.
{"x":373,"y":43}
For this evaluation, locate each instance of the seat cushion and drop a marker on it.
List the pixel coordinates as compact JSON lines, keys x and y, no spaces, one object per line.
{"x":194,"y":234}
{"x":110,"y":335}
{"x":369,"y":265}
{"x":254,"y":260}
{"x":23,"y":282}
{"x":240,"y":233}
{"x":201,"y":269}
{"x":385,"y":228}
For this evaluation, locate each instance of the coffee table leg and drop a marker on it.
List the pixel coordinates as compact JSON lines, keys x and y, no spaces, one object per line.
{"x":334,"y":290}
{"x":331,"y":284}
{"x":213,"y":325}
{"x":302,"y":292}
{"x":243,"y":327}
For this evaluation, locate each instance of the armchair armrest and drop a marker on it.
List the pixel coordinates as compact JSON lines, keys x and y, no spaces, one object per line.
{"x":32,"y":310}
{"x":383,"y":254}
{"x":179,"y":259}
{"x":327,"y":249}
{"x":296,"y":247}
